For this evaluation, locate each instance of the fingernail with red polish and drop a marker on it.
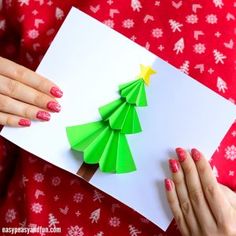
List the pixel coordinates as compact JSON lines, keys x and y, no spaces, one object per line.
{"x":43,"y":115}
{"x":174,"y":166}
{"x":54,"y":106}
{"x":168,"y":184}
{"x":24,"y":122}
{"x":181,"y":154}
{"x":56,"y":92}
{"x":196,"y":155}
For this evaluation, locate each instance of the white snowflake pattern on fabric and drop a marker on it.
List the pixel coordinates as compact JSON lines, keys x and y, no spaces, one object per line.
{"x":128,"y":23}
{"x":59,"y":14}
{"x":133,"y":231}
{"x":64,"y":210}
{"x":221,"y":85}
{"x":230,"y":16}
{"x":95,"y":216}
{"x":114,"y":221}
{"x":33,"y":34}
{"x":229,"y":44}
{"x":218,"y":3}
{"x":133,"y":38}
{"x":219,"y":57}
{"x":144,"y":220}
{"x":78,"y":213}
{"x":185,"y":67}
{"x":136,"y":5}
{"x":78,"y":197}
{"x":157,"y":33}
{"x":175,"y":26}
{"x":37,"y":208}
{"x":56,"y":181}
{"x":10,"y":215}
{"x":230,"y":153}
{"x":97,"y":196}
{"x":23,"y":223}
{"x":114,"y":206}
{"x":39,"y":177}
{"x":197,"y":33}
{"x":24,"y":180}
{"x":148,"y":18}
{"x":200,"y":67}
{"x":192,"y":19}
{"x":179,"y":46}
{"x":99,"y":234}
{"x":52,"y":221}
{"x":38,"y":22}
{"x":38,"y":193}
{"x":75,"y":231}
{"x":109,"y":23}
{"x":199,"y":48}
{"x":23,"y":2}
{"x":56,"y":198}
{"x":211,"y":19}
{"x":234,"y":132}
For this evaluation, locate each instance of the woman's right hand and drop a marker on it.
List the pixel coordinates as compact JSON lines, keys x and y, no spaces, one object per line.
{"x":25,"y":95}
{"x":200,"y":205}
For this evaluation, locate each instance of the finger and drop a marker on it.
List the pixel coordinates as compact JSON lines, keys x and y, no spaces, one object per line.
{"x":24,"y":93}
{"x":182,"y":194}
{"x":214,"y":195}
{"x":14,"y":121}
{"x":14,"y":107}
{"x":196,"y":194}
{"x":28,"y":77}
{"x":175,"y":207}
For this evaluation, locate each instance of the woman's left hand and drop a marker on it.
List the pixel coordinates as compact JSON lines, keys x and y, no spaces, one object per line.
{"x":200,"y":205}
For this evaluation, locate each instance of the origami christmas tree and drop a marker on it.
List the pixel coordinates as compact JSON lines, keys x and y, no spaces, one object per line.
{"x":104,"y":142}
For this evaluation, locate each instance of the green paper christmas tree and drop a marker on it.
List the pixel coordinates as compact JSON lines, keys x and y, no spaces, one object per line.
{"x":104,"y":142}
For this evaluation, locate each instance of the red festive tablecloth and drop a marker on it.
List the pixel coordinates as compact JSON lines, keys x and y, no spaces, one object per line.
{"x":196,"y":36}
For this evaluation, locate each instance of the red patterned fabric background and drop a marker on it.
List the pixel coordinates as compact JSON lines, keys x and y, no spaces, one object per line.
{"x":198,"y":37}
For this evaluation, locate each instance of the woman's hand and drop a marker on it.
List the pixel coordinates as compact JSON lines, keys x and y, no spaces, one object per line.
{"x":25,"y":95}
{"x":200,"y":205}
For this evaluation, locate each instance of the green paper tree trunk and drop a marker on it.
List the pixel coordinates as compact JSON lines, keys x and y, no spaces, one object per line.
{"x":104,"y":142}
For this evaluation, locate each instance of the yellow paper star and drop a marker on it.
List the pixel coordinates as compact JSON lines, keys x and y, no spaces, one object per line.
{"x":145,"y":73}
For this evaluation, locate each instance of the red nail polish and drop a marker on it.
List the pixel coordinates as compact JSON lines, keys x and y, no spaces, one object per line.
{"x":56,"y":92}
{"x":43,"y":115}
{"x":196,"y":155}
{"x":54,"y":106}
{"x":24,"y":122}
{"x":174,"y":166}
{"x":168,"y":184}
{"x":181,"y":154}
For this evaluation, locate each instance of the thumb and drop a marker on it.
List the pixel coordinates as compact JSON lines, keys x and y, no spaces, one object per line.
{"x":229,"y":194}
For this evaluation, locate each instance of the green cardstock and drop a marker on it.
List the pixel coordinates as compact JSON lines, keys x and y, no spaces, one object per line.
{"x":104,"y":142}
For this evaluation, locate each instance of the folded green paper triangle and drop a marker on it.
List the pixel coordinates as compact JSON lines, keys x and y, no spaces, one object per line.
{"x":102,"y":145}
{"x":134,"y":92}
{"x":121,"y":116}
{"x":104,"y":142}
